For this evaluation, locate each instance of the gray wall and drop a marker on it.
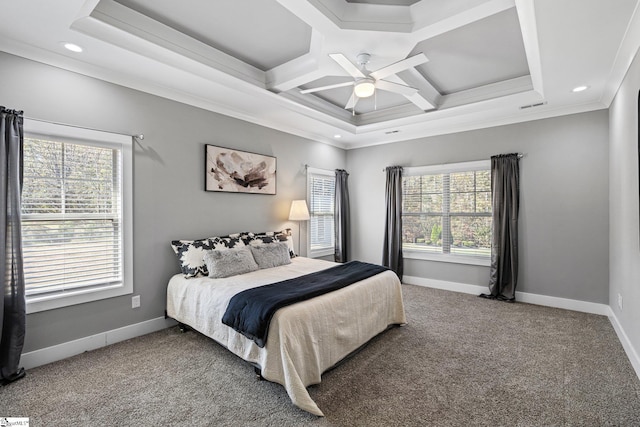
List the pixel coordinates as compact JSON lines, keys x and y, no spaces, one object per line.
{"x":624,"y":257}
{"x":564,"y":206}
{"x":564,"y":236}
{"x":169,"y":197}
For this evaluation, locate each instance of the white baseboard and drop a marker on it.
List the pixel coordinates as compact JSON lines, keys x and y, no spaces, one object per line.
{"x":443,"y":284}
{"x":632,"y":354}
{"x":71,"y":348}
{"x":567,"y":304}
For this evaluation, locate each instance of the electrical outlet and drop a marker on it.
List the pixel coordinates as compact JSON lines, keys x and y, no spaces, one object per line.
{"x":620,"y":301}
{"x":135,"y":301}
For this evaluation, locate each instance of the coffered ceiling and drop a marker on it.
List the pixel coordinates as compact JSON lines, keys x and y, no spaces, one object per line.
{"x":474,"y":63}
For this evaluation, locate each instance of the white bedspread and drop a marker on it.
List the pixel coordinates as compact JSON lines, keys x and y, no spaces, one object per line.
{"x":305,"y":339}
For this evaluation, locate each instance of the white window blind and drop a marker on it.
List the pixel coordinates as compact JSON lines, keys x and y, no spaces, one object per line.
{"x":321,"y":193}
{"x":74,"y":225}
{"x":447,"y":209}
{"x":71,"y":216}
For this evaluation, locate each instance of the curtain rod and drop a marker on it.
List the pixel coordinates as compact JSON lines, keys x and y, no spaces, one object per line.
{"x":520,"y":155}
{"x":139,"y":136}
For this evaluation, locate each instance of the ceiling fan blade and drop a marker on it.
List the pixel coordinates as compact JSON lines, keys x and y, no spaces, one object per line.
{"x":396,"y":88}
{"x":316,"y":89}
{"x":352,"y":102}
{"x":347,"y":65}
{"x":399,"y":66}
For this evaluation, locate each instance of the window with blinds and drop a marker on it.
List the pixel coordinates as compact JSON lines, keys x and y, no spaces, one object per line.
{"x":74,"y":225}
{"x":321,"y":193}
{"x":447,"y":209}
{"x":71,"y":216}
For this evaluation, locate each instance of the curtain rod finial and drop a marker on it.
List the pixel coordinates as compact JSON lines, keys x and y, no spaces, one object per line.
{"x":140,"y":136}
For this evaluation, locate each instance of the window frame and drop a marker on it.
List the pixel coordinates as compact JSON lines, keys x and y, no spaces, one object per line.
{"x":124,"y":143}
{"x":472,"y":166}
{"x":328,"y":250}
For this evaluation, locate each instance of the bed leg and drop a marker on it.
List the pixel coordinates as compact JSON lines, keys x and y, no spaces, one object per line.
{"x":183,"y":328}
{"x":258,"y":374}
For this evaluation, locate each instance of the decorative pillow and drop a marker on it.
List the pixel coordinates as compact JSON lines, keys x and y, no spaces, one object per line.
{"x":289,"y":241}
{"x":271,"y":254}
{"x":254,"y":239}
{"x":190,"y":253}
{"x":226,"y":242}
{"x":229,"y":262}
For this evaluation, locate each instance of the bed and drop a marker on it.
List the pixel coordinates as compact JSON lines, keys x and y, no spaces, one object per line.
{"x":304,"y":339}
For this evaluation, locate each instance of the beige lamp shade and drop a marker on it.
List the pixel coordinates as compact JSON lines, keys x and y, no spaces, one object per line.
{"x":299,"y":211}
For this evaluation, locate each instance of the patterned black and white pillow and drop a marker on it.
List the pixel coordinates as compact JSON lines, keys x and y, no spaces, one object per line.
{"x":254,"y":239}
{"x":191,"y":253}
{"x":226,"y":242}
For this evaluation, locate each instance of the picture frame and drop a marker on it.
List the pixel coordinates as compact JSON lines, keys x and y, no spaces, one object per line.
{"x":235,"y":171}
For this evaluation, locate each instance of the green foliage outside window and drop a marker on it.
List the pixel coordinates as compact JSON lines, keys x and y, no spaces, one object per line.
{"x":448,"y":213}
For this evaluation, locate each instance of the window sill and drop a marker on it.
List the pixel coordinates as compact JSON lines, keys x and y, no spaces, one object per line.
{"x":52,"y":301}
{"x":457,"y":259}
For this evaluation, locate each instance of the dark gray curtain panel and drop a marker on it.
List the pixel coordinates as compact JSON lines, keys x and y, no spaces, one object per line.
{"x":13,"y":306}
{"x":392,"y":250}
{"x":505,"y":189}
{"x":341,"y":216}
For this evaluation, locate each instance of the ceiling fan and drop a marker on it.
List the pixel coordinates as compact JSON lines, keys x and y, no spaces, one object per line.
{"x":366,"y":82}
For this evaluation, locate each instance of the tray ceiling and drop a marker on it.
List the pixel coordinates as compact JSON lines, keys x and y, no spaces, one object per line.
{"x":233,"y":26}
{"x":487,"y":61}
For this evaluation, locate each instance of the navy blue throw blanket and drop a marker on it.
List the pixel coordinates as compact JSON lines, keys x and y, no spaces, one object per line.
{"x":249,"y":312}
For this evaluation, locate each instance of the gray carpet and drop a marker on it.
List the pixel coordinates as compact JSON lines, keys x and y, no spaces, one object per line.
{"x":461,"y":361}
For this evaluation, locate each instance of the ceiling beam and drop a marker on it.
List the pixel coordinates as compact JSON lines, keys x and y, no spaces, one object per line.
{"x":491,"y":91}
{"x":466,"y":17}
{"x":528,"y":27}
{"x":301,"y":70}
{"x":311,"y":15}
{"x":626,"y":52}
{"x":116,"y":24}
{"x":426,"y":90}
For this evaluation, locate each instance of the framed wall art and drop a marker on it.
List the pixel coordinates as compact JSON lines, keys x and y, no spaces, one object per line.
{"x":235,"y":171}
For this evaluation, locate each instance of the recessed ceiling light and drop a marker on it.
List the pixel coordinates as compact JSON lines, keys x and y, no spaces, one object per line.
{"x":337,"y":136}
{"x":580,"y":88}
{"x":72,"y":47}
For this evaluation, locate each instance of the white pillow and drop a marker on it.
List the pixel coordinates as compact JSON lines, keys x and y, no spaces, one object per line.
{"x":271,"y":254}
{"x":229,"y":262}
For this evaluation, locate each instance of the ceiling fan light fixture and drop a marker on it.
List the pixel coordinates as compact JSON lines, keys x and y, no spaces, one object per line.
{"x":364,"y":88}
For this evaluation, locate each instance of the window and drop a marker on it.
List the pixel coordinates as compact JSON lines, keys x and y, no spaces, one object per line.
{"x":76,"y":215}
{"x":321,"y":191}
{"x":446,"y":212}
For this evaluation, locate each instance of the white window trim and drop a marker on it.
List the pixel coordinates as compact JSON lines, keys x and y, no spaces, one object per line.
{"x":442,"y":169}
{"x":325,"y":251}
{"x":456,"y":259}
{"x":447,"y":168}
{"x":72,"y":134}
